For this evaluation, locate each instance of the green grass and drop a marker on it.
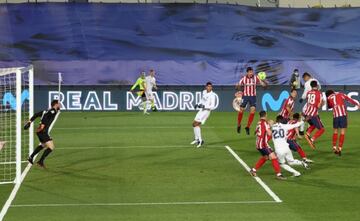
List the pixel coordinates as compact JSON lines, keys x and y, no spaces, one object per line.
{"x":130,"y":158}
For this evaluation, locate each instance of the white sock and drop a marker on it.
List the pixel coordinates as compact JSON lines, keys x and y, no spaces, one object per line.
{"x":144,"y":104}
{"x":288,"y":168}
{"x":198,"y":133}
{"x":302,"y":126}
{"x":195,"y":134}
{"x":295,"y":162}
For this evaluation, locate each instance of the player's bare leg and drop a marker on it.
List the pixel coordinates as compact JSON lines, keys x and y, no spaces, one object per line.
{"x":49,"y":148}
{"x":250,"y":120}
{"x":240,"y":116}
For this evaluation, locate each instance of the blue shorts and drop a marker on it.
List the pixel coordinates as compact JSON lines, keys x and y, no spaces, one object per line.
{"x":293,"y":145}
{"x":315,"y":121}
{"x":265,"y":151}
{"x":340,"y":122}
{"x":248,"y":99}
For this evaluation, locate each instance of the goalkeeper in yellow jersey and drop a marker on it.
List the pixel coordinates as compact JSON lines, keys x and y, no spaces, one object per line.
{"x":140,"y":88}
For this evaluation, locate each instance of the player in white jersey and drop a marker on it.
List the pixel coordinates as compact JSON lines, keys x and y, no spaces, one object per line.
{"x":282,"y":149}
{"x":206,"y":105}
{"x":150,"y":83}
{"x":307,"y":87}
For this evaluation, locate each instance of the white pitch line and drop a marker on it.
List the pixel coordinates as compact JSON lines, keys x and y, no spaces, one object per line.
{"x":139,"y":204}
{"x":247,"y":168}
{"x":134,"y":127}
{"x":131,"y":147}
{"x":13,"y":193}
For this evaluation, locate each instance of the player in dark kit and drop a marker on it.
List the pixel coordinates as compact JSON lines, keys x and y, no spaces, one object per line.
{"x":46,"y":123}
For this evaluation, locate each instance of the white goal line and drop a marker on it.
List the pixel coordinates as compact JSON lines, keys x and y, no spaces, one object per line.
{"x":140,"y":204}
{"x":247,"y":168}
{"x":135,"y":147}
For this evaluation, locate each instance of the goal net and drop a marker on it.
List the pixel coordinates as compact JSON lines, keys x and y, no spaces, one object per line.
{"x":16,"y":108}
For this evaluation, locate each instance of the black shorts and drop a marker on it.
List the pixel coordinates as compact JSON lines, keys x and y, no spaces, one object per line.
{"x":43,"y":137}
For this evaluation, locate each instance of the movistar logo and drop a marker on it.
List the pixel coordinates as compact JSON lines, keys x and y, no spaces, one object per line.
{"x":10,"y":100}
{"x":274,"y":105}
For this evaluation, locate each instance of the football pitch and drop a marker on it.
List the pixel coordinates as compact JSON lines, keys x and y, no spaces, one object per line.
{"x":126,"y":166}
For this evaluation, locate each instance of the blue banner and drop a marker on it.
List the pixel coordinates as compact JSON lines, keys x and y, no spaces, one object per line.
{"x":186,"y":44}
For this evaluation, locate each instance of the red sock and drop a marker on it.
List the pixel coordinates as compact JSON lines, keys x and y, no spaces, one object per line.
{"x":276,"y":165}
{"x":301,"y":152}
{"x":318,"y":134}
{"x":240,"y":115}
{"x":310,"y":129}
{"x":335,"y":136}
{"x":341,"y":141}
{"x":260,"y":162}
{"x":250,"y":120}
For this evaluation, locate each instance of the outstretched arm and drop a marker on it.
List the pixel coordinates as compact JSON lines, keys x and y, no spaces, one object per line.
{"x":27,"y":125}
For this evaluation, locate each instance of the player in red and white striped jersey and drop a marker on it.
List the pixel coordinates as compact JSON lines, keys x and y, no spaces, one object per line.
{"x":314,"y":102}
{"x":291,"y":139}
{"x":248,"y":83}
{"x":263,"y":135}
{"x":288,"y":106}
{"x":336,"y":101}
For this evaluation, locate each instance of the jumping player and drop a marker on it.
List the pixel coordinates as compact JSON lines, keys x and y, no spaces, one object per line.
{"x":288,"y":106}
{"x":263,"y":135}
{"x":140,"y":87}
{"x":336,"y":101}
{"x":307,"y":87}
{"x":291,"y":139}
{"x":248,"y":82}
{"x":314,"y":102}
{"x":150,"y":84}
{"x":46,"y":123}
{"x":206,"y":105}
{"x":285,"y":157}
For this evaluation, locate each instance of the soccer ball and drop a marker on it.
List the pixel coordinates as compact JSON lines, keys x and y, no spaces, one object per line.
{"x":262,"y":75}
{"x":237,"y":103}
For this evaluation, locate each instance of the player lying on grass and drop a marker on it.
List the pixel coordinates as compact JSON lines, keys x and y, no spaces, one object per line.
{"x":248,"y":83}
{"x":263,"y":135}
{"x":291,"y":139}
{"x":46,"y":123}
{"x":282,"y":150}
{"x":206,"y":105}
{"x":336,"y":101}
{"x":140,"y":88}
{"x":288,"y":106}
{"x":311,"y":113}
{"x":150,"y":84}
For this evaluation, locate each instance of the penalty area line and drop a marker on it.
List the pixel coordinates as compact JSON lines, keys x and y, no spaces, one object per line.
{"x":139,"y":204}
{"x":247,"y":168}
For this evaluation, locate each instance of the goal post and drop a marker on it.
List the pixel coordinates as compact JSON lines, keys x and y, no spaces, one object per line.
{"x":16,"y":108}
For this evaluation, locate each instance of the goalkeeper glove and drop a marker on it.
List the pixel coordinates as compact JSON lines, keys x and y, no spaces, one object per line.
{"x":27,"y":125}
{"x":199,"y":106}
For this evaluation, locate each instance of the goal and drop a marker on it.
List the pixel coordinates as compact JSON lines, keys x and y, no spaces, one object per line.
{"x":16,"y":108}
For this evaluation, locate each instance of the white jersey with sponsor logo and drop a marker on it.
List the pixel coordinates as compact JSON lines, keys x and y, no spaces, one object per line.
{"x":208,"y":99}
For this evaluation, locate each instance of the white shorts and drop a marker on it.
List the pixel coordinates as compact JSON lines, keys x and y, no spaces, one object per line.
{"x":202,"y":116}
{"x":285,"y":156}
{"x":149,"y":94}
